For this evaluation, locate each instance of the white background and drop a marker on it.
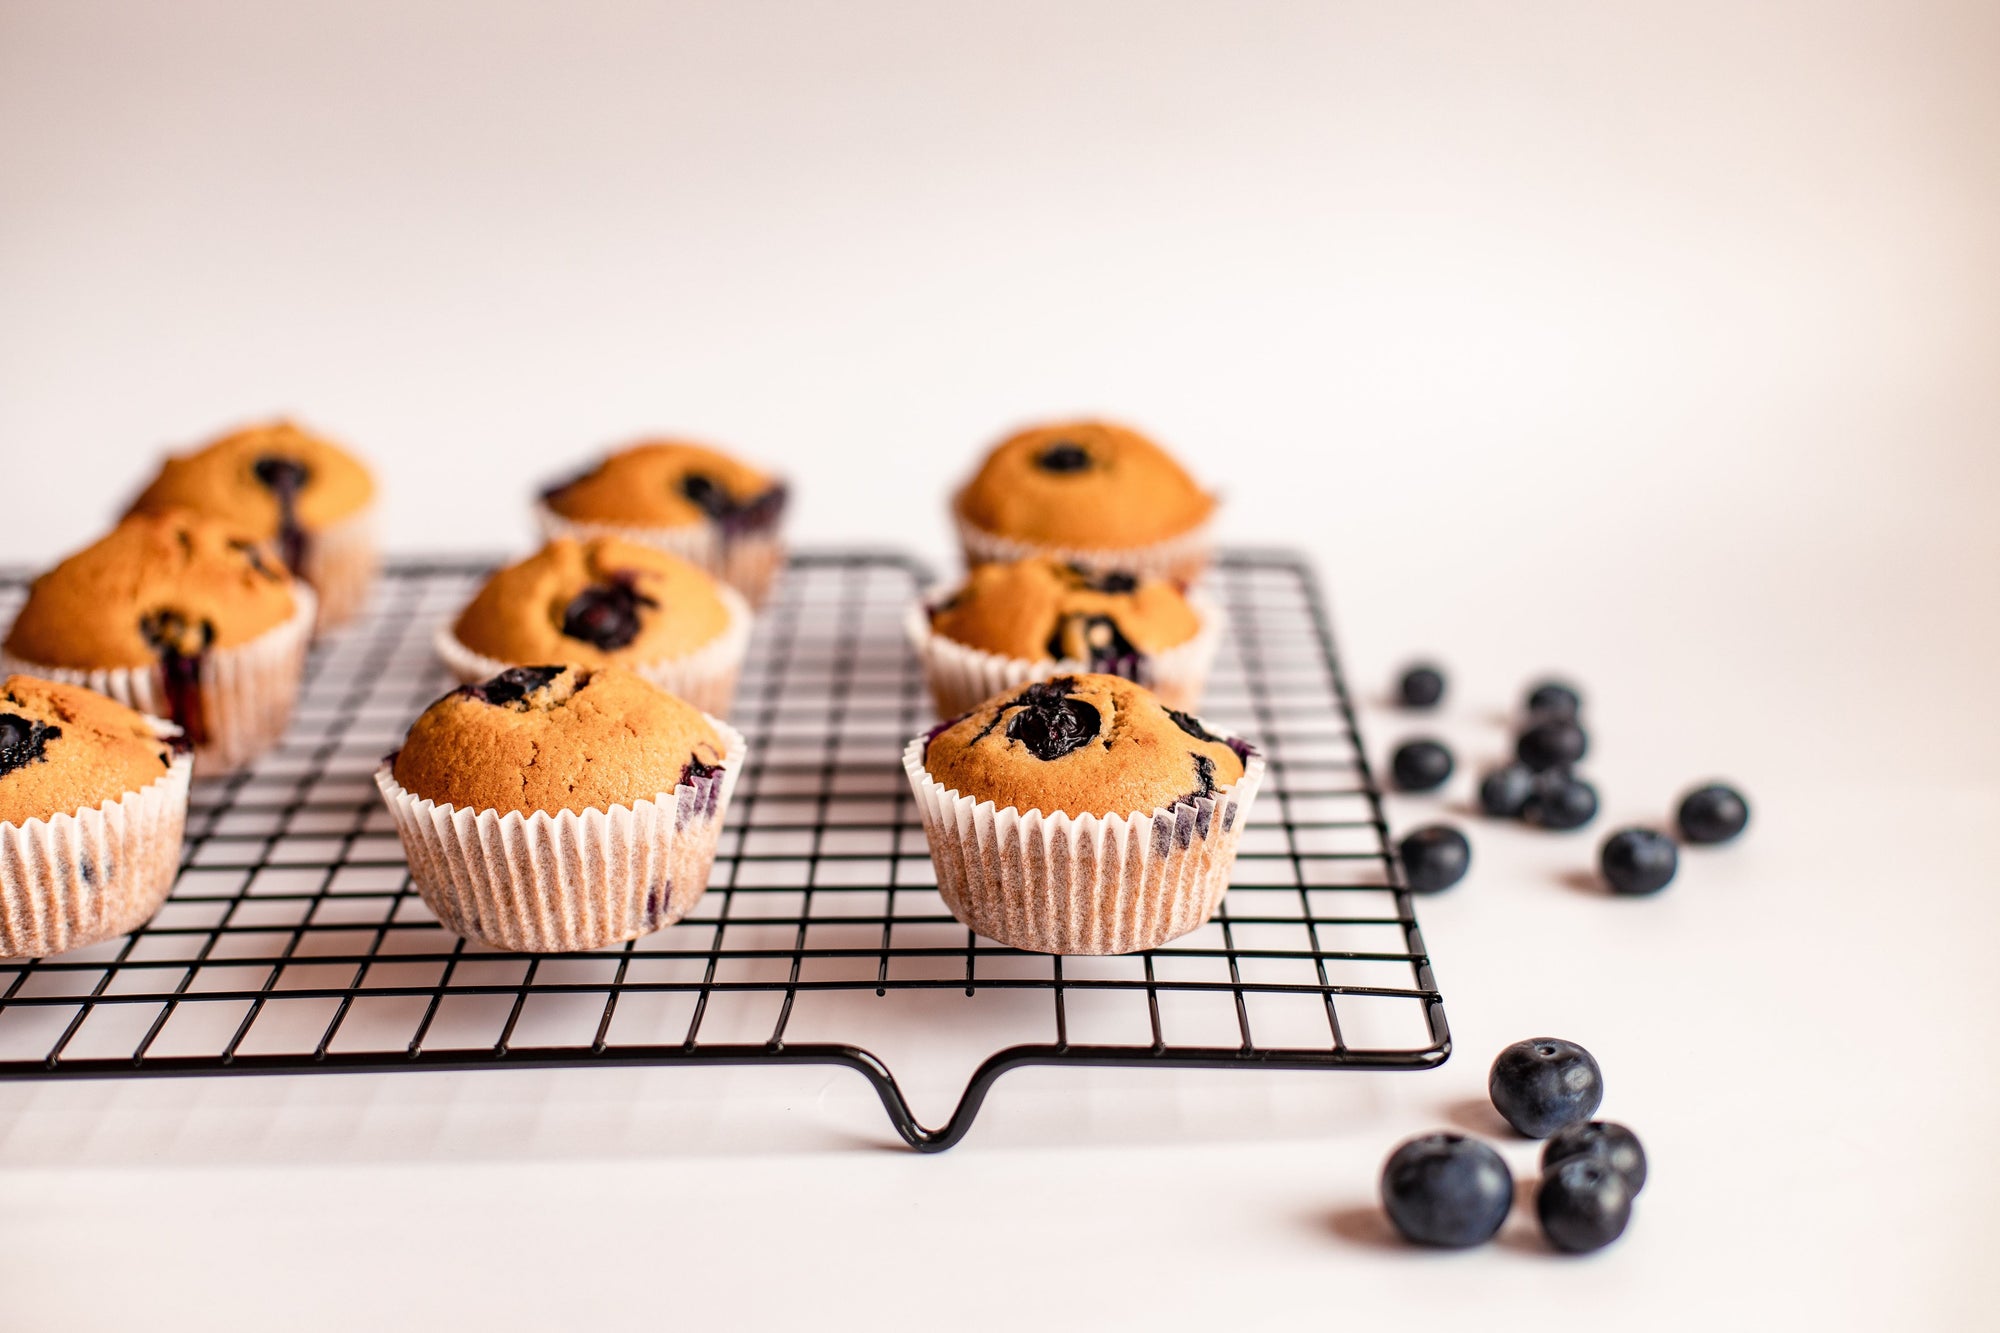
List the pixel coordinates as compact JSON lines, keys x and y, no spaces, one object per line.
{"x":1653,"y":342}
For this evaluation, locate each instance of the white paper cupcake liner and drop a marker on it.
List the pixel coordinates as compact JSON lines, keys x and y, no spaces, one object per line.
{"x":79,"y":878}
{"x":1181,"y":559}
{"x":747,"y":561}
{"x":963,"y":677}
{"x":1081,"y":884}
{"x":705,"y":678}
{"x":340,"y":563}
{"x":565,"y":882}
{"x":247,"y":692}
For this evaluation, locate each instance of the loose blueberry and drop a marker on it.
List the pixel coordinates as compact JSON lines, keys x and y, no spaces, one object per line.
{"x":1638,"y":860}
{"x":1544,"y":1083}
{"x":1505,"y":790}
{"x":1446,"y":1189}
{"x":23,"y":741}
{"x":1606,"y":1141}
{"x":1553,"y":698}
{"x":1050,"y":723}
{"x":1063,"y":457}
{"x":605,"y":614}
{"x":513,"y":685}
{"x":1435,"y":857}
{"x":1554,"y":743}
{"x":1420,"y":765}
{"x":1422,"y":686}
{"x":1560,"y":801}
{"x":1584,"y":1205}
{"x":1711,"y":814}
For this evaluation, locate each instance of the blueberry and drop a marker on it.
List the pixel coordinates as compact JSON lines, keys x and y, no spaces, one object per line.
{"x":1554,"y":698}
{"x":1096,"y":640}
{"x":1192,"y":726}
{"x":1560,"y":801}
{"x":1113,"y":582}
{"x":1422,"y":686}
{"x":1050,"y":723}
{"x":1544,"y":1083}
{"x":605,"y":614}
{"x":707,"y":495}
{"x":1420,"y":765}
{"x":1063,"y":457}
{"x":1446,"y":1189}
{"x":1715,"y":813}
{"x":1505,"y":790}
{"x":283,"y":477}
{"x":1584,"y":1205}
{"x":1638,"y":860}
{"x":23,"y":741}
{"x":1605,"y":1140}
{"x":1553,"y":743}
{"x":172,"y":634}
{"x":1435,"y":857}
{"x":512,"y":686}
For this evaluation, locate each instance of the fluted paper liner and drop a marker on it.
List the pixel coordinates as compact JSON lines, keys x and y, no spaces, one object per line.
{"x":747,"y":561}
{"x":247,"y":692}
{"x":569,"y":881}
{"x":1081,"y":884}
{"x":75,"y":879}
{"x":340,"y":562}
{"x":962,"y":677}
{"x":1181,"y":559}
{"x":705,"y":677}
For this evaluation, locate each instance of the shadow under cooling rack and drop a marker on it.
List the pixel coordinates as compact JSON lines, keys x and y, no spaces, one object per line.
{"x":293,"y":941}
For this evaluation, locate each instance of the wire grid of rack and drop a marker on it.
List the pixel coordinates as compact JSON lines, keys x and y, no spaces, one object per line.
{"x":293,"y":941}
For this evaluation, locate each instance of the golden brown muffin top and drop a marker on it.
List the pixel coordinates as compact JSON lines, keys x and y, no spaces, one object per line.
{"x":153,"y":583}
{"x":556,"y":738}
{"x":257,"y":478}
{"x":670,"y":484}
{"x":1043,"y":608}
{"x":594,"y":603}
{"x":64,"y":749}
{"x":1081,"y":745}
{"x":1086,"y":485}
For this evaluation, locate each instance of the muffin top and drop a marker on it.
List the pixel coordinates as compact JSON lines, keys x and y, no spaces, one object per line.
{"x":1044,"y":608}
{"x":556,"y":738}
{"x":262,"y":481}
{"x":1088,"y":485}
{"x":1081,"y":745}
{"x":594,"y":603}
{"x":155,"y":583}
{"x":670,"y":484}
{"x":64,"y":749}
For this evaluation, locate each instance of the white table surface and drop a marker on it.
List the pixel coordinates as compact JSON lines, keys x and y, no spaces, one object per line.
{"x":1652,"y":344}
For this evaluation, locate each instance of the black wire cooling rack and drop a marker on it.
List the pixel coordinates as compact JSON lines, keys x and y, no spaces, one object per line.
{"x":294,"y":942}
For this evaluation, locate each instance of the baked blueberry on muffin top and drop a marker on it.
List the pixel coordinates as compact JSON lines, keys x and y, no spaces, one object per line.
{"x":1086,"y":744}
{"x":594,"y":602}
{"x":554,"y":738}
{"x":1045,"y":608}
{"x":1086,"y":485}
{"x":670,"y":484}
{"x":64,"y":749}
{"x":274,"y":482}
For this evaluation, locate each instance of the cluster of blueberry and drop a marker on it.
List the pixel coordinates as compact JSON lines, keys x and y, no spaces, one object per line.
{"x":1540,"y":787}
{"x":1450,"y":1190}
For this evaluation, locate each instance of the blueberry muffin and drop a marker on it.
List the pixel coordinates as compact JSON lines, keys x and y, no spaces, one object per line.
{"x":559,"y":808}
{"x":177,"y":616}
{"x":694,"y":501}
{"x":1024,"y":620}
{"x":93,"y":800}
{"x":1081,"y":815}
{"x":1091,"y":493}
{"x":311,"y":500}
{"x":607,"y":602}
